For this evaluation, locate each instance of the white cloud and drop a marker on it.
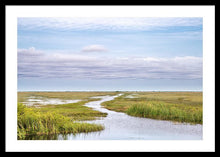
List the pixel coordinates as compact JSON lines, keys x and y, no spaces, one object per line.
{"x":119,"y":23}
{"x":62,"y":65}
{"x":29,"y":52}
{"x":94,"y":48}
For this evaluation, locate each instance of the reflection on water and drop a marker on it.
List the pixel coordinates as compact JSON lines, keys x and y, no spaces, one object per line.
{"x":44,"y":137}
{"x":60,"y":136}
{"x":120,"y":126}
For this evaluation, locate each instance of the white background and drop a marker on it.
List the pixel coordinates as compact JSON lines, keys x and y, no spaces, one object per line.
{"x":208,"y":14}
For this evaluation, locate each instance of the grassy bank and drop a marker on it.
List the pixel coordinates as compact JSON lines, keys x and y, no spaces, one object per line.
{"x":52,"y":119}
{"x":75,"y":111}
{"x":23,"y":96}
{"x":32,"y":121}
{"x":175,"y":106}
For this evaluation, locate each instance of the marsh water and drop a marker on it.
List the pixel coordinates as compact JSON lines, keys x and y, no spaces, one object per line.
{"x":120,"y":126}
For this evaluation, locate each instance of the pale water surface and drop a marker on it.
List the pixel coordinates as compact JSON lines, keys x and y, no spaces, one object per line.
{"x":46,"y":101}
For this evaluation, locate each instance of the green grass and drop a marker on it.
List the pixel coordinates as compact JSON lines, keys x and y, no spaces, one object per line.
{"x":32,"y":121}
{"x":158,"y":110}
{"x":75,"y":111}
{"x":53,"y":119}
{"x":174,"y":106}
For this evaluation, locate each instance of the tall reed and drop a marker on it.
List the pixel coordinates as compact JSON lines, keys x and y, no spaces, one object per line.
{"x":157,"y":110}
{"x":32,"y":122}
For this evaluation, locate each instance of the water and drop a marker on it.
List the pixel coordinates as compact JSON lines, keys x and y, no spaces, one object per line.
{"x":120,"y":126}
{"x":37,"y":101}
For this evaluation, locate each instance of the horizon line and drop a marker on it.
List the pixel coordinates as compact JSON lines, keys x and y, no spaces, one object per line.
{"x":109,"y":90}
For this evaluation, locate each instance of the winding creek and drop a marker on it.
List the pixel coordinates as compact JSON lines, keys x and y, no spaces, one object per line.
{"x":120,"y":126}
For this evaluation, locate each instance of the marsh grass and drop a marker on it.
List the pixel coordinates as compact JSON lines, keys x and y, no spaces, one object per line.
{"x":174,"y":106}
{"x":23,"y":96}
{"x":75,"y":111}
{"x":158,"y":110}
{"x":54,"y":119}
{"x":68,"y":118}
{"x":31,"y":121}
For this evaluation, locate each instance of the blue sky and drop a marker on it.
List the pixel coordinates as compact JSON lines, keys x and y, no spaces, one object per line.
{"x":110,"y":53}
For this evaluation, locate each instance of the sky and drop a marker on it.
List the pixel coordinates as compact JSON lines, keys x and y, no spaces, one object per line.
{"x":109,"y":54}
